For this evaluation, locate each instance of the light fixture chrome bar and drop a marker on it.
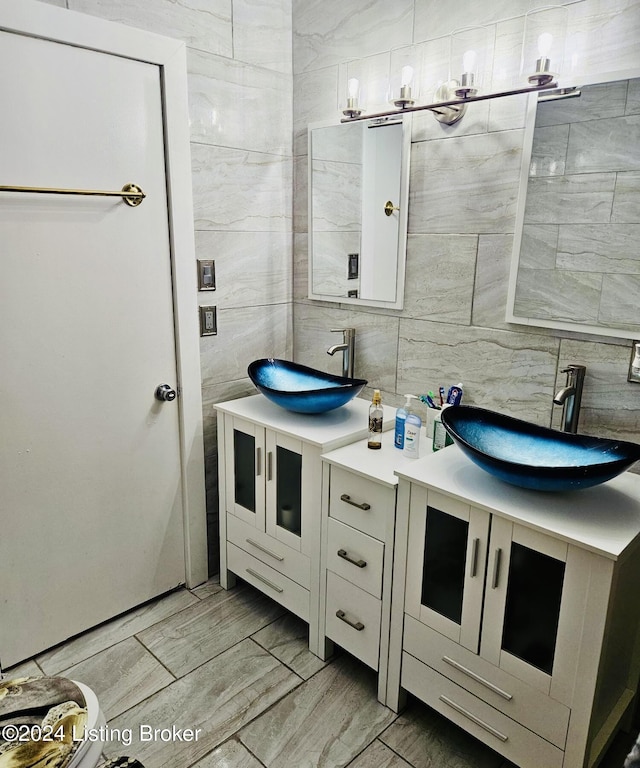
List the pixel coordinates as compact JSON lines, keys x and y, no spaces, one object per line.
{"x":560,"y":93}
{"x":436,"y":107}
{"x":130,"y":193}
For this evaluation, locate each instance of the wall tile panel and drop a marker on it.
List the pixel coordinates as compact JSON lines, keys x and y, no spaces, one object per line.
{"x":262,"y":33}
{"x":202,"y":24}
{"x":510,"y":372}
{"x":238,"y":190}
{"x":327,"y":32}
{"x":217,"y":86}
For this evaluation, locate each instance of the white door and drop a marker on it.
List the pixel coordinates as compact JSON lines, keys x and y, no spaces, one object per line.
{"x":90,"y":480}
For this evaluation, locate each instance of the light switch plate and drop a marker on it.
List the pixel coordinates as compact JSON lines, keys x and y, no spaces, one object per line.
{"x":634,"y":363}
{"x":206,"y":275}
{"x":208,"y":321}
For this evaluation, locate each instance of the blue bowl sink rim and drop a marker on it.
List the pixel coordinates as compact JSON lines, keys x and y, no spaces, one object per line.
{"x":539,"y":476}
{"x":315,"y":400}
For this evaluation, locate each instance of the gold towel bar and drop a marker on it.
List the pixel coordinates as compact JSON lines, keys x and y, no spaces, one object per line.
{"x":130,"y":193}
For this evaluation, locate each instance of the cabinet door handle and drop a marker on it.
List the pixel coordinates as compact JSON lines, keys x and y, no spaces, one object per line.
{"x":496,"y":569}
{"x":345,"y":556}
{"x":258,"y":462}
{"x":261,"y":578}
{"x":347,"y":498}
{"x":269,"y":465}
{"x":474,"y":718}
{"x":265,"y":550}
{"x":474,"y":558}
{"x":357,"y":625}
{"x":456,"y":665}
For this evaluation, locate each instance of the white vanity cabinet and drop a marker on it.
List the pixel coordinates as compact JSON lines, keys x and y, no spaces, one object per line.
{"x":515,"y":612}
{"x":270,"y":483}
{"x":358,"y":528}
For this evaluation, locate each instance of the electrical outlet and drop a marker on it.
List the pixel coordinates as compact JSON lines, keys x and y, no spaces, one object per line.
{"x":208,"y":321}
{"x":206,"y":275}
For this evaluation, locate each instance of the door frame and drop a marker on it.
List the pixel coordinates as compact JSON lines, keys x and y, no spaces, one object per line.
{"x":37,"y":19}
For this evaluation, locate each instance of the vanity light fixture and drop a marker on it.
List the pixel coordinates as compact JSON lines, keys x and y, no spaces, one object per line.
{"x":542,"y":76}
{"x":353,"y":91}
{"x":468,"y":79}
{"x":447,"y":109}
{"x":470,"y":49}
{"x":406,"y":81}
{"x":543,"y":42}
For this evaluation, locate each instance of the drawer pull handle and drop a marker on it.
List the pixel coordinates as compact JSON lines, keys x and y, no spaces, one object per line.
{"x":347,"y":498}
{"x":456,"y":665}
{"x":474,"y":719}
{"x":345,"y":556}
{"x":261,"y":578}
{"x":269,"y":465}
{"x":496,"y":569}
{"x":357,"y":625}
{"x":258,"y":461}
{"x":265,"y":550}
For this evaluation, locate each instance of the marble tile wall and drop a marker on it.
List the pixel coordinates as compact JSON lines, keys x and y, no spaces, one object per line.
{"x":463,"y":194}
{"x":239,"y":71}
{"x":589,"y":272}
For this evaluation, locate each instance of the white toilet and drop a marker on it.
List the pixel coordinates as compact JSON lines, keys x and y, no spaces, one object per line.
{"x":89,"y":752}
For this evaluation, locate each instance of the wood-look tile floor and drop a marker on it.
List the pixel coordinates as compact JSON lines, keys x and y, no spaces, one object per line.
{"x":236,"y":666}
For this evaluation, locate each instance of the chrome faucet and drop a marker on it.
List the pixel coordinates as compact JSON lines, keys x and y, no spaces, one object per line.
{"x":347,"y":348}
{"x":570,"y":397}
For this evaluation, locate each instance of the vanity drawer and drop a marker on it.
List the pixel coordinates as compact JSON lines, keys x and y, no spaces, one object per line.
{"x":515,"y":742}
{"x":270,"y":551}
{"x":284,"y":591}
{"x":356,"y":557}
{"x":522,"y":702}
{"x":361,"y":503}
{"x":361,"y":636}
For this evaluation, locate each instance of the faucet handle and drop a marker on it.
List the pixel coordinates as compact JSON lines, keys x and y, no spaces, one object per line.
{"x":347,"y":331}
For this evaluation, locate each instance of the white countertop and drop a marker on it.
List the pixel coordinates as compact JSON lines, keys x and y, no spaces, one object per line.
{"x":325,"y":430}
{"x":604,"y":519}
{"x":380,"y":465}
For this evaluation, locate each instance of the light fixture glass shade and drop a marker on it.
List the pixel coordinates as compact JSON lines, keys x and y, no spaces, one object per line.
{"x":470,"y":55}
{"x":404,"y":77}
{"x":543,"y":44}
{"x":372,"y":74}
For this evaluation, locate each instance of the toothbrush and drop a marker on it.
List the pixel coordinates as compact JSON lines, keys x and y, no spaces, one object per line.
{"x":428,"y":400}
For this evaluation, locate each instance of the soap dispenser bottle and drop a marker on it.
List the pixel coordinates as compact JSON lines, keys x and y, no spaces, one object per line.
{"x":401,"y":417}
{"x":412,"y":425}
{"x":375,"y":421}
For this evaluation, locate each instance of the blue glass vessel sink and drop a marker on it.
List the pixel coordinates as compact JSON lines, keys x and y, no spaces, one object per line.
{"x":300,"y":388}
{"x":531,"y":456}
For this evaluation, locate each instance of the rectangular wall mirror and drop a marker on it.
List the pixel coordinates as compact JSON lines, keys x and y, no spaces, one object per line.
{"x":576,"y":258}
{"x":358,"y":200}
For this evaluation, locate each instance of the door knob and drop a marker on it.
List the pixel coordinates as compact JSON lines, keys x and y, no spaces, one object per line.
{"x":165,"y":393}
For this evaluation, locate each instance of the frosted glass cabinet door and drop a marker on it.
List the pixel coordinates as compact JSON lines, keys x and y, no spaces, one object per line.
{"x":446,"y":565}
{"x":245,"y":468}
{"x":285,"y":466}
